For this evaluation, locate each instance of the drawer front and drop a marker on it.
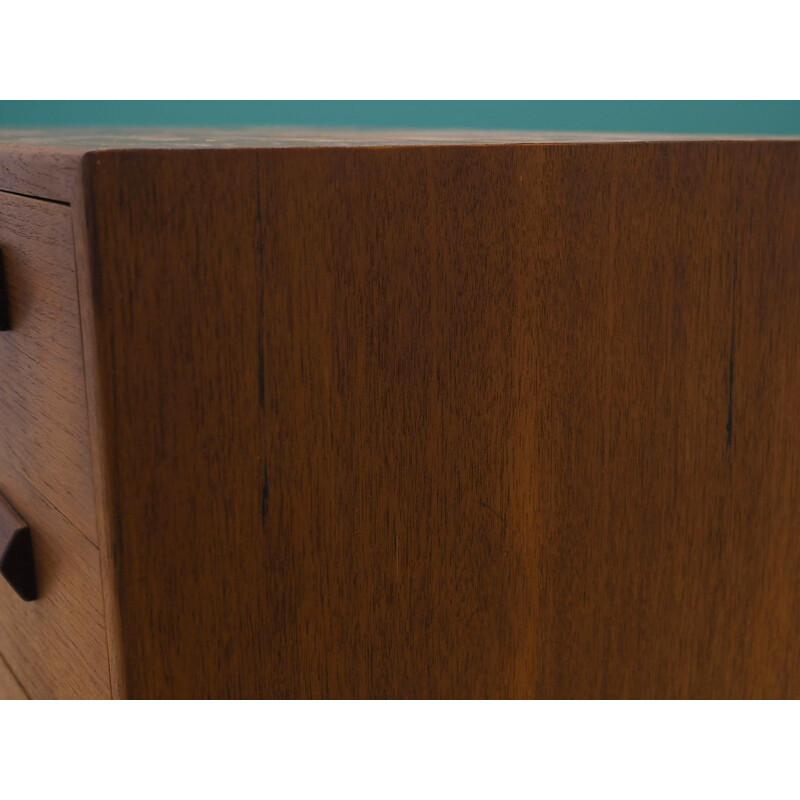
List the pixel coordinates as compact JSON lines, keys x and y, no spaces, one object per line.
{"x":56,"y":645}
{"x":43,"y":421}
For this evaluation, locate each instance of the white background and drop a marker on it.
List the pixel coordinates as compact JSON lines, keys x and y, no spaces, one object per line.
{"x":417,"y":49}
{"x":399,"y":750}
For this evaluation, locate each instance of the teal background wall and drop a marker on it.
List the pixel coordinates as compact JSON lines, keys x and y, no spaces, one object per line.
{"x":759,"y":117}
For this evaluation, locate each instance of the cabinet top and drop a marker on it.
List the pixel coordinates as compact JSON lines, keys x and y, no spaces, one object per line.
{"x":87,"y":139}
{"x":47,"y":163}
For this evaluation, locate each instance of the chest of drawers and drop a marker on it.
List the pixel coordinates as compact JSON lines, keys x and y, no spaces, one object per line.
{"x":317,"y":414}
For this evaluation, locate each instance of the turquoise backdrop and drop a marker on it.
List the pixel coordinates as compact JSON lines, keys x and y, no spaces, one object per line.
{"x":740,"y":116}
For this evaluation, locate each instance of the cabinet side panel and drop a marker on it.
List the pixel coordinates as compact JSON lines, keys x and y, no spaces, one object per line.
{"x":511,"y":421}
{"x":171,"y":287}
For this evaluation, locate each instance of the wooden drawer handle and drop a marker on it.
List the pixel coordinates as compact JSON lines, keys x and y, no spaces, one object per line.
{"x":16,"y":552}
{"x":5,"y":320}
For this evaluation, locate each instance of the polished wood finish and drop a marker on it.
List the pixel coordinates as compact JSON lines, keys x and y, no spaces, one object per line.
{"x":481,"y":434}
{"x":483,"y":420}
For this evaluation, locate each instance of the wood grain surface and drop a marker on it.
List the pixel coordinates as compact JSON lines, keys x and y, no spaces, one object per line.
{"x":55,"y":645}
{"x":496,"y":421}
{"x":43,"y":171}
{"x":45,"y":162}
{"x":9,"y":686}
{"x":101,"y":474}
{"x":66,"y":142}
{"x":44,"y":430}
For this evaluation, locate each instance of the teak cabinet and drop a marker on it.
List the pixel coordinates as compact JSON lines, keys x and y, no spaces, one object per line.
{"x":332,"y":415}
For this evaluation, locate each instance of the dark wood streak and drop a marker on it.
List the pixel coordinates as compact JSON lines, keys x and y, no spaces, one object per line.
{"x":731,"y":360}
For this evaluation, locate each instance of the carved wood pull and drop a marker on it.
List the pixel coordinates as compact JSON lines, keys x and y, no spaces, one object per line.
{"x":16,"y":552}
